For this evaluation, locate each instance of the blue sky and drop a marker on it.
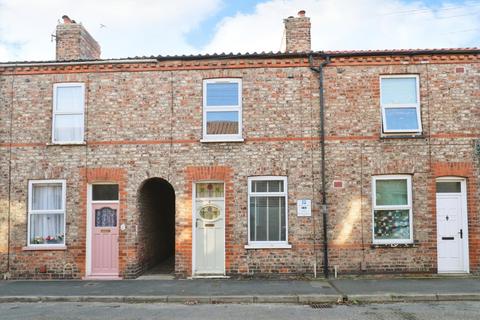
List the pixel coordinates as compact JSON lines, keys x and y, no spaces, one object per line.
{"x":161,"y":27}
{"x":200,"y":36}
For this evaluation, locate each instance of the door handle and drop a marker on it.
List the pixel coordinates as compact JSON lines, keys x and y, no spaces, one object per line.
{"x":461,"y":233}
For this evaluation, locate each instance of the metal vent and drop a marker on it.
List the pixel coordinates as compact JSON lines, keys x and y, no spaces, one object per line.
{"x":320,"y":306}
{"x":477,"y":147}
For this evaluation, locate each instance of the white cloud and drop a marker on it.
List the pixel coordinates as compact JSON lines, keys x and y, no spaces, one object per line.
{"x":134,"y":27}
{"x":351,"y":24}
{"x":152,"y":27}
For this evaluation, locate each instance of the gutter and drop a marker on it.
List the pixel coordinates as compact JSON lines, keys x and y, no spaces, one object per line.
{"x":319,"y":70}
{"x":75,"y":63}
{"x":401,"y":53}
{"x":261,"y":55}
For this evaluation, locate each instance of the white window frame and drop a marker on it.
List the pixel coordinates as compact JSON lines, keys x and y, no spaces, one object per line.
{"x":268,"y":244}
{"x":31,"y":183}
{"x":401,"y":105}
{"x":238,"y":108}
{"x":56,"y":86}
{"x":408,"y":206}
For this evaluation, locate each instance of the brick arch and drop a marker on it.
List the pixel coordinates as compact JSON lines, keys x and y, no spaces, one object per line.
{"x":183,"y":239}
{"x":462,"y":170}
{"x":156,"y":215}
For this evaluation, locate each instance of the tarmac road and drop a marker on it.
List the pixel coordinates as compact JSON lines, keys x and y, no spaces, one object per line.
{"x":120,"y":311}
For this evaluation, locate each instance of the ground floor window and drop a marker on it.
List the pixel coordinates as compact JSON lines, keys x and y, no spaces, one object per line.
{"x":46,"y":212}
{"x":392,"y":209}
{"x":267,"y":209}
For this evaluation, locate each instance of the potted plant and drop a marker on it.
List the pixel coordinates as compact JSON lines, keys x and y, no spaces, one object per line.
{"x":51,"y":240}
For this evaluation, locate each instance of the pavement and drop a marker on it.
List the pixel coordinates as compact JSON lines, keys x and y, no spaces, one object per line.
{"x":214,"y":291}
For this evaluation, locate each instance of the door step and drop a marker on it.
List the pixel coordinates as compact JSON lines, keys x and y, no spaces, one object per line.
{"x":209,"y":276}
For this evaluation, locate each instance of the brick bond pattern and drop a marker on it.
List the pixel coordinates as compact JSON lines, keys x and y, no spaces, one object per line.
{"x":145,"y":120}
{"x":73,"y":42}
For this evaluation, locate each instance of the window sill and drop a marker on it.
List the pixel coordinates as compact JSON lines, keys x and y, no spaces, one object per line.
{"x":67,"y":143}
{"x":404,"y":135}
{"x":221,"y":140}
{"x":269,"y":246}
{"x":395,"y":245}
{"x":45,"y":248}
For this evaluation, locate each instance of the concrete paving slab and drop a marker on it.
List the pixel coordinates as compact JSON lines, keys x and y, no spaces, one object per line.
{"x":414,"y":297}
{"x":407,"y":286}
{"x":369,"y":298}
{"x":458,"y":296}
{"x":232,"y":299}
{"x":189,"y":299}
{"x":317,"y":298}
{"x":276,"y":299}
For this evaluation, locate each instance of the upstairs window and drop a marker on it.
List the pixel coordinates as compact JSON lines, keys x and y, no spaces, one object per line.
{"x":68,"y":113}
{"x":400,"y":101}
{"x":392,"y":209}
{"x":222,"y":110}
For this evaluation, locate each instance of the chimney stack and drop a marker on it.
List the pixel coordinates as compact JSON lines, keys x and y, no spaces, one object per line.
{"x":297,"y":33}
{"x":74,"y":42}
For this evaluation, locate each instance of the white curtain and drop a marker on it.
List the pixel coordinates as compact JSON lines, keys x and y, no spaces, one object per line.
{"x":46,"y":227}
{"x":68,"y":127}
{"x":69,"y":99}
{"x":47,"y":197}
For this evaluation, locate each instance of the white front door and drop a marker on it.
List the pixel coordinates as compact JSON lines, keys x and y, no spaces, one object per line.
{"x":209,"y":220}
{"x":452,"y":226}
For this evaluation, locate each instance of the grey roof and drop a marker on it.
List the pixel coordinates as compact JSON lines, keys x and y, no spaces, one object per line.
{"x":264,"y":55}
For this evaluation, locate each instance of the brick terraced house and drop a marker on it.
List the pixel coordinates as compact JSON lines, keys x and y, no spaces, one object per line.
{"x":239,"y":164}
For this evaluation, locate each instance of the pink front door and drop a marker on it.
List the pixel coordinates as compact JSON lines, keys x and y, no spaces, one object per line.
{"x":104,"y":239}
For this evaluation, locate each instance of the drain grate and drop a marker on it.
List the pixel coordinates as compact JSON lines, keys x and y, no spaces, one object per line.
{"x":320,"y":305}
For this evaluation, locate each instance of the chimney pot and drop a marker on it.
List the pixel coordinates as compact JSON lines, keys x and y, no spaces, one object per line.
{"x":66,"y":19}
{"x":301,"y":13}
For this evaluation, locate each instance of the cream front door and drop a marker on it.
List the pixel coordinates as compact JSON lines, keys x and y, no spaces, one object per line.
{"x":209,"y":222}
{"x":452,"y":227}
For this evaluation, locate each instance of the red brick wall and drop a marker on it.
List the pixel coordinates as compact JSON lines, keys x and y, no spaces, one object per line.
{"x":73,"y":42}
{"x":356,"y":151}
{"x":145,"y":120}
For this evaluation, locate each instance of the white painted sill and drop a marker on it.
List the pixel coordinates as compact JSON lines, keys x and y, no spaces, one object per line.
{"x":268,"y":246}
{"x":401,"y":134}
{"x":45,"y":248}
{"x":392,"y":243}
{"x":79,"y":143}
{"x":221,"y":140}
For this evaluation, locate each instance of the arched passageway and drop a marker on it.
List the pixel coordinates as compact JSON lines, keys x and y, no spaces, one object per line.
{"x":156,"y":203}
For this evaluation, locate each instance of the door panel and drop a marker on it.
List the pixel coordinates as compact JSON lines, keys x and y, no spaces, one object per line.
{"x":450,"y":240}
{"x":105,"y":239}
{"x":210,"y":237}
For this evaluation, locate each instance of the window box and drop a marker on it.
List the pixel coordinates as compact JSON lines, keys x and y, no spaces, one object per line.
{"x":392,"y":209}
{"x":400,"y":104}
{"x":222,"y":110}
